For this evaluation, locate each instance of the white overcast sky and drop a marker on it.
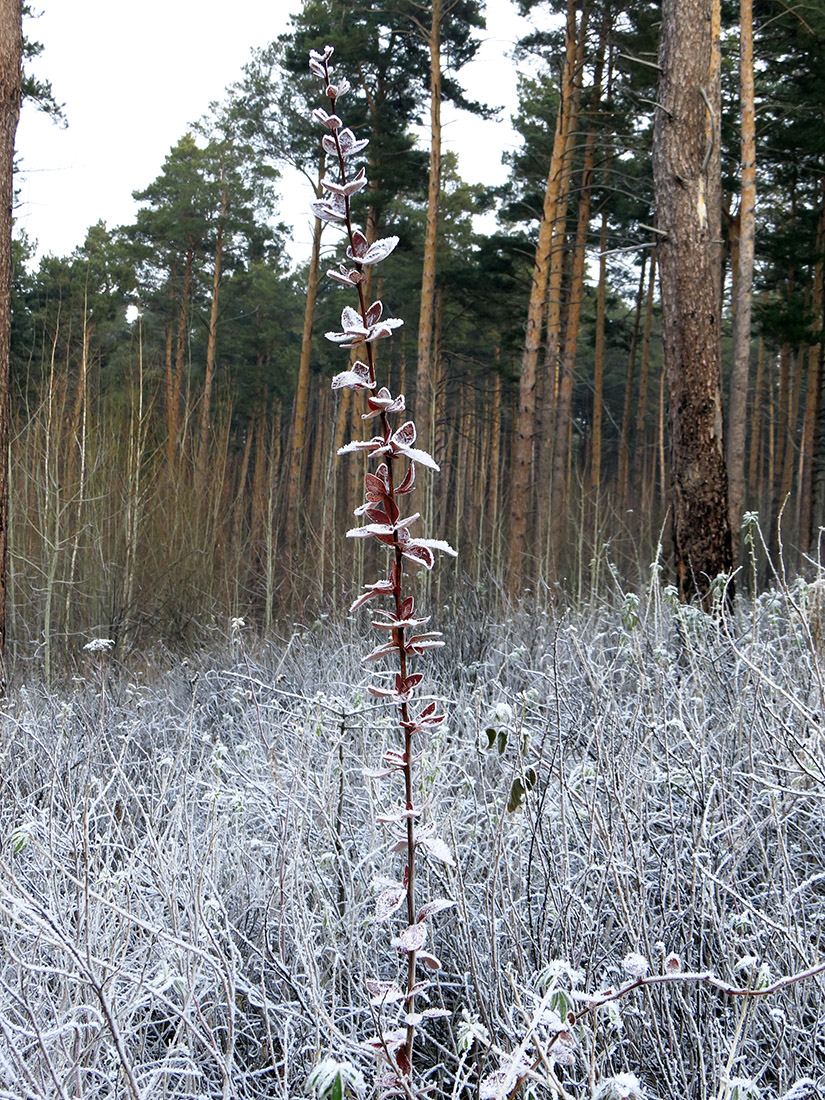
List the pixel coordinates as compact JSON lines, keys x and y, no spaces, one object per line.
{"x":133,"y":77}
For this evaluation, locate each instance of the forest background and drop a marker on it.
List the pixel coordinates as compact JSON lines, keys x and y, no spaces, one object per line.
{"x":174,"y":434}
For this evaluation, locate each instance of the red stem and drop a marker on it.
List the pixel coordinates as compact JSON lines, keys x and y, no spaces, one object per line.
{"x":398,"y":632}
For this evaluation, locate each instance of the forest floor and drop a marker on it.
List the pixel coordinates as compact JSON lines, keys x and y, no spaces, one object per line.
{"x":190,"y":856}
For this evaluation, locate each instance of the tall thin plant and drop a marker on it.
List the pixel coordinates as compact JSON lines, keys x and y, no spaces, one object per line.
{"x":394,"y":451}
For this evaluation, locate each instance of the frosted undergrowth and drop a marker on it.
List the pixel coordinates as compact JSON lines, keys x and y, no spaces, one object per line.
{"x":190,"y":857}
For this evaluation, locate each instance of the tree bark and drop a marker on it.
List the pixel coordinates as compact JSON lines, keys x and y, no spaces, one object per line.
{"x":212,"y":339}
{"x":524,"y":435}
{"x":302,"y":389}
{"x":690,"y":302}
{"x":630,"y":381}
{"x":11,"y":51}
{"x":424,"y":393}
{"x":564,"y":402}
{"x":738,"y":402}
{"x":805,"y":481}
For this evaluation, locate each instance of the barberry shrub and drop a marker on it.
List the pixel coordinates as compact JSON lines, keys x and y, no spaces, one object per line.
{"x":398,"y":1002}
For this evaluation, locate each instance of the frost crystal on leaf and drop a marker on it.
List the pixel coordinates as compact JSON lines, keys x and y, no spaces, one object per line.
{"x":635,"y":965}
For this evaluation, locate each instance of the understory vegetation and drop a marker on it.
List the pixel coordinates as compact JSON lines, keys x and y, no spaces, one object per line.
{"x":190,"y":853}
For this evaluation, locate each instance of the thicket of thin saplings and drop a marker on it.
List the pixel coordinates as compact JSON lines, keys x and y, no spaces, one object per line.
{"x":191,"y":856}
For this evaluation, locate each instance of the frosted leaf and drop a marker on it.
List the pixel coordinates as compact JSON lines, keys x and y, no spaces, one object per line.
{"x":434,"y":846}
{"x":504,"y":1080}
{"x":395,"y":817}
{"x":383,"y":401}
{"x":380,"y":588}
{"x":351,"y":320}
{"x":800,"y":1090}
{"x":351,"y":187}
{"x":673,"y":964}
{"x":624,"y":1086}
{"x":377,"y":529}
{"x":635,"y":965}
{"x":356,"y":378}
{"x":383,"y":992}
{"x":332,"y":122}
{"x":317,"y":68}
{"x":411,"y":939}
{"x":379,"y":250}
{"x":436,"y":1013}
{"x":422,"y":642}
{"x":322,"y":55}
{"x":435,"y":544}
{"x":389,"y":900}
{"x":374,"y":315}
{"x":358,"y":247}
{"x":413,"y":1019}
{"x":408,"y":484}
{"x":374,"y":444}
{"x":349,"y":143}
{"x":330,"y":209}
{"x":406,"y":435}
{"x":384,"y":329}
{"x":349,"y":277}
{"x":420,"y":555}
{"x":433,"y":907}
{"x":381,"y":651}
{"x":392,"y":1040}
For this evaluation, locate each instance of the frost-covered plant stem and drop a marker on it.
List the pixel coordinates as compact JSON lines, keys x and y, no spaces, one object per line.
{"x":362,"y":328}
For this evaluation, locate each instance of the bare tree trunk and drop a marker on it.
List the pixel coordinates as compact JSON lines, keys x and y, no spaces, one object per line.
{"x":11,"y":48}
{"x":805,"y":480}
{"x":627,"y":409}
{"x":212,"y":339}
{"x":738,"y":402}
{"x":180,"y":351}
{"x":424,"y":393}
{"x":563,"y":422}
{"x":301,"y":400}
{"x":690,"y":301}
{"x":641,"y":408}
{"x":756,"y":423}
{"x":598,"y":367}
{"x":525,"y":425}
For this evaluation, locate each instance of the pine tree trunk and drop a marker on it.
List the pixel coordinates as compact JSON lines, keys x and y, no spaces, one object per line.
{"x":627,"y":409}
{"x":805,"y":480}
{"x":525,"y":424}
{"x":738,"y":402}
{"x":641,"y":409}
{"x":180,"y":350}
{"x":598,"y":366}
{"x":301,"y":399}
{"x":564,"y":403}
{"x":757,"y":433}
{"x":11,"y":46}
{"x":212,"y":338}
{"x":424,"y":393}
{"x":690,"y":302}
